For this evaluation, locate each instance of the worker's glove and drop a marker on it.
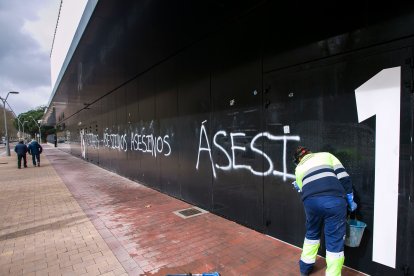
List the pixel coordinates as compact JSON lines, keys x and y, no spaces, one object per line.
{"x":351,"y":204}
{"x":296,"y":187}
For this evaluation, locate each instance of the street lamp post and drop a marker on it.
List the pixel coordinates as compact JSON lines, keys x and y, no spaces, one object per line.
{"x":40,"y":134}
{"x":18,"y":124}
{"x":20,"y":133}
{"x":5,"y":120}
{"x":24,"y":135}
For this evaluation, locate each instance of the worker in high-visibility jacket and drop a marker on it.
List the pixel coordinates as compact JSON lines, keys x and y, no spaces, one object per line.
{"x":326,"y":190}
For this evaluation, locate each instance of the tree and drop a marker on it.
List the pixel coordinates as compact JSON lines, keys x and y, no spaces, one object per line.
{"x":11,"y":130}
{"x":32,"y":118}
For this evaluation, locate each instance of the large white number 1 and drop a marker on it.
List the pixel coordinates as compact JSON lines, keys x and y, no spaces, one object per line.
{"x":380,"y":96}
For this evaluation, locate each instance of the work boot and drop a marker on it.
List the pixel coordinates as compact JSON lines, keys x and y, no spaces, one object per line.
{"x":38,"y":164}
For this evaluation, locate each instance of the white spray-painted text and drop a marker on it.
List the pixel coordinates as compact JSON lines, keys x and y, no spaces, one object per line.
{"x":231,"y":158}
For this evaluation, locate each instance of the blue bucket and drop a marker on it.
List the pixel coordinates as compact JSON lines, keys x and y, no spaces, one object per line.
{"x":354,"y":232}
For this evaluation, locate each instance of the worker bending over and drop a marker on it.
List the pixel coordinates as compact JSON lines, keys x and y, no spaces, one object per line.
{"x":326,"y":190}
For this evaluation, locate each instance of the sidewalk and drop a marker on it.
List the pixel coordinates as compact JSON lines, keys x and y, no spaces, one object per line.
{"x":43,"y":230}
{"x":74,"y":218}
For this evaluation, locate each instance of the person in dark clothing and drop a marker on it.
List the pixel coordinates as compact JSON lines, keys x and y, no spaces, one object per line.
{"x":21,"y":150}
{"x":35,"y":149}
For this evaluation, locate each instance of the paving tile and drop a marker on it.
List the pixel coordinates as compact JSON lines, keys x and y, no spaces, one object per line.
{"x":44,"y":227}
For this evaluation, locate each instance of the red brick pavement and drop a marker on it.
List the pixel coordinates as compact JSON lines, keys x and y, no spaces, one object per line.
{"x":139,"y":226}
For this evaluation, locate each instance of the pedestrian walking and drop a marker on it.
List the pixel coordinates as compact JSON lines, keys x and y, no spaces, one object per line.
{"x":326,"y":190}
{"x":21,"y":150}
{"x":35,"y":149}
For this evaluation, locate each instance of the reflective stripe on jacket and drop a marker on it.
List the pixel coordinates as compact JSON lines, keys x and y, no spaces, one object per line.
{"x":322,"y":174}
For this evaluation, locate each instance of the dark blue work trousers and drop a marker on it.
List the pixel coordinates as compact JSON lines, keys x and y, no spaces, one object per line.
{"x":331,"y":212}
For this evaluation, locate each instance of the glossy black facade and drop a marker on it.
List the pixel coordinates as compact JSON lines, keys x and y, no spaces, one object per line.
{"x":207,"y":101}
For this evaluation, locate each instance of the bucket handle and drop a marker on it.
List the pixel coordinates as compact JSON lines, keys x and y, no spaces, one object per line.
{"x":355,"y":215}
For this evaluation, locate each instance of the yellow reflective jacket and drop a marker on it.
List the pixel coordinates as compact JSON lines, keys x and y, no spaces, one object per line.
{"x":322,"y":174}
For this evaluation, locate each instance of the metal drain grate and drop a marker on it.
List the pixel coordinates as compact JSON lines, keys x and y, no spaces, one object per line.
{"x":190,"y":212}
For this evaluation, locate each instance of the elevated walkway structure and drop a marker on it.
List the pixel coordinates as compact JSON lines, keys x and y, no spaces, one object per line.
{"x":205,"y":101}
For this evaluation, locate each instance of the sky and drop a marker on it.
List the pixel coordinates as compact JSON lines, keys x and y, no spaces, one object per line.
{"x":26,"y":34}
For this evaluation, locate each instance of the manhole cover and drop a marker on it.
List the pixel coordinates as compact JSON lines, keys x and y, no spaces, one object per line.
{"x":190,"y":212}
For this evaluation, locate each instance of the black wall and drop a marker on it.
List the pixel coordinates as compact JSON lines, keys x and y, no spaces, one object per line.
{"x":206,"y":102}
